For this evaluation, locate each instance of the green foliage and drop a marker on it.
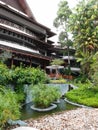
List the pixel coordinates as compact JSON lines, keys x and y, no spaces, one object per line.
{"x":21,"y":76}
{"x":4,"y":74}
{"x":67,"y":71}
{"x":86,"y":94}
{"x":62,"y":17}
{"x":28,"y":75}
{"x":93,"y":71}
{"x":4,"y":56}
{"x":81,"y":79}
{"x":9,"y":106}
{"x":84,"y":27}
{"x":57,"y":62}
{"x":58,"y":81}
{"x":44,"y":95}
{"x":61,"y":22}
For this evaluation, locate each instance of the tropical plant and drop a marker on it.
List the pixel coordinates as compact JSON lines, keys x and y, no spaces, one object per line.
{"x":4,"y":74}
{"x":21,"y":76}
{"x":93,"y":71}
{"x":85,"y":94}
{"x":28,"y":75}
{"x":44,"y":95}
{"x":61,"y":21}
{"x":83,"y":25}
{"x":57,"y":62}
{"x":9,"y":106}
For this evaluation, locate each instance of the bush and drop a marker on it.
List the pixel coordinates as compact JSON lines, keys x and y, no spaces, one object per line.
{"x":4,"y":74}
{"x":86,"y":94}
{"x":21,"y":76}
{"x":44,"y":95}
{"x":28,"y":75}
{"x":9,"y":106}
{"x":59,"y":81}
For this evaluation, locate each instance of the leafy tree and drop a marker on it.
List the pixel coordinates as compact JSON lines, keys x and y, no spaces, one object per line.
{"x":61,"y":22}
{"x":84,"y":26}
{"x":82,"y":23}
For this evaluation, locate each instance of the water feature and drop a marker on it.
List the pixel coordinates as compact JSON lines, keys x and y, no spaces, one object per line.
{"x":27,"y":112}
{"x":28,"y":92}
{"x":62,"y":87}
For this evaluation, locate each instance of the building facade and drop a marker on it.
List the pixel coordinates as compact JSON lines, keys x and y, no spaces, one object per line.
{"x":22,"y":36}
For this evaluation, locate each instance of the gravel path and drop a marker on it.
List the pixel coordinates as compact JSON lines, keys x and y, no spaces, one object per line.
{"x":79,"y":119}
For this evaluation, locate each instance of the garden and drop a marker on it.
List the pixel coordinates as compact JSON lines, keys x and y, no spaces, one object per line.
{"x":13,"y":95}
{"x":83,"y":24}
{"x":87,"y":92}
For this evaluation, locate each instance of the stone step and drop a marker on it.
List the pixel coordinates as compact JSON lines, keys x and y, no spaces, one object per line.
{"x":25,"y":128}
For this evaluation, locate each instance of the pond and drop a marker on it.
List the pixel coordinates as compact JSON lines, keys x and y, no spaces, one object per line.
{"x":27,"y":112}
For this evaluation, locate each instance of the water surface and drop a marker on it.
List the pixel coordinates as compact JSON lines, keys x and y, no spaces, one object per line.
{"x":27,"y":112}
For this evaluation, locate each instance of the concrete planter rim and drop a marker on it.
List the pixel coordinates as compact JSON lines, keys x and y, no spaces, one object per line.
{"x":51,"y":107}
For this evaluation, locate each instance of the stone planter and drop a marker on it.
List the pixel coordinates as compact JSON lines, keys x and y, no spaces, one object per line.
{"x":53,"y":106}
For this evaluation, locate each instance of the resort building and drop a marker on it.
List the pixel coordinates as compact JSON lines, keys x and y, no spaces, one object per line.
{"x":20,"y":34}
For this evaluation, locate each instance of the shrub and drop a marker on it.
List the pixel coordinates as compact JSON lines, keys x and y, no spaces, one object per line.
{"x":44,"y":95}
{"x":59,"y":81}
{"x":28,"y":75}
{"x":4,"y":74}
{"x":85,"y":94}
{"x":9,"y":106}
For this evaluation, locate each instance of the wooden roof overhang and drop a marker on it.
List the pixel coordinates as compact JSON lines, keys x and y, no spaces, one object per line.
{"x":27,"y":21}
{"x":36,"y":41}
{"x":20,"y":5}
{"x":25,"y":53}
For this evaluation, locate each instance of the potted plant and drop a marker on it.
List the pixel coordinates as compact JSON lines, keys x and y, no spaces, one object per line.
{"x":44,"y":95}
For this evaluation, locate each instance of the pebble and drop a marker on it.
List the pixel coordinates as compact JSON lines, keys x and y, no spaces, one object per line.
{"x":79,"y":119}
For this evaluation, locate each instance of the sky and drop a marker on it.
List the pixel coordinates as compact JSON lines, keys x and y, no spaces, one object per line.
{"x":45,"y":11}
